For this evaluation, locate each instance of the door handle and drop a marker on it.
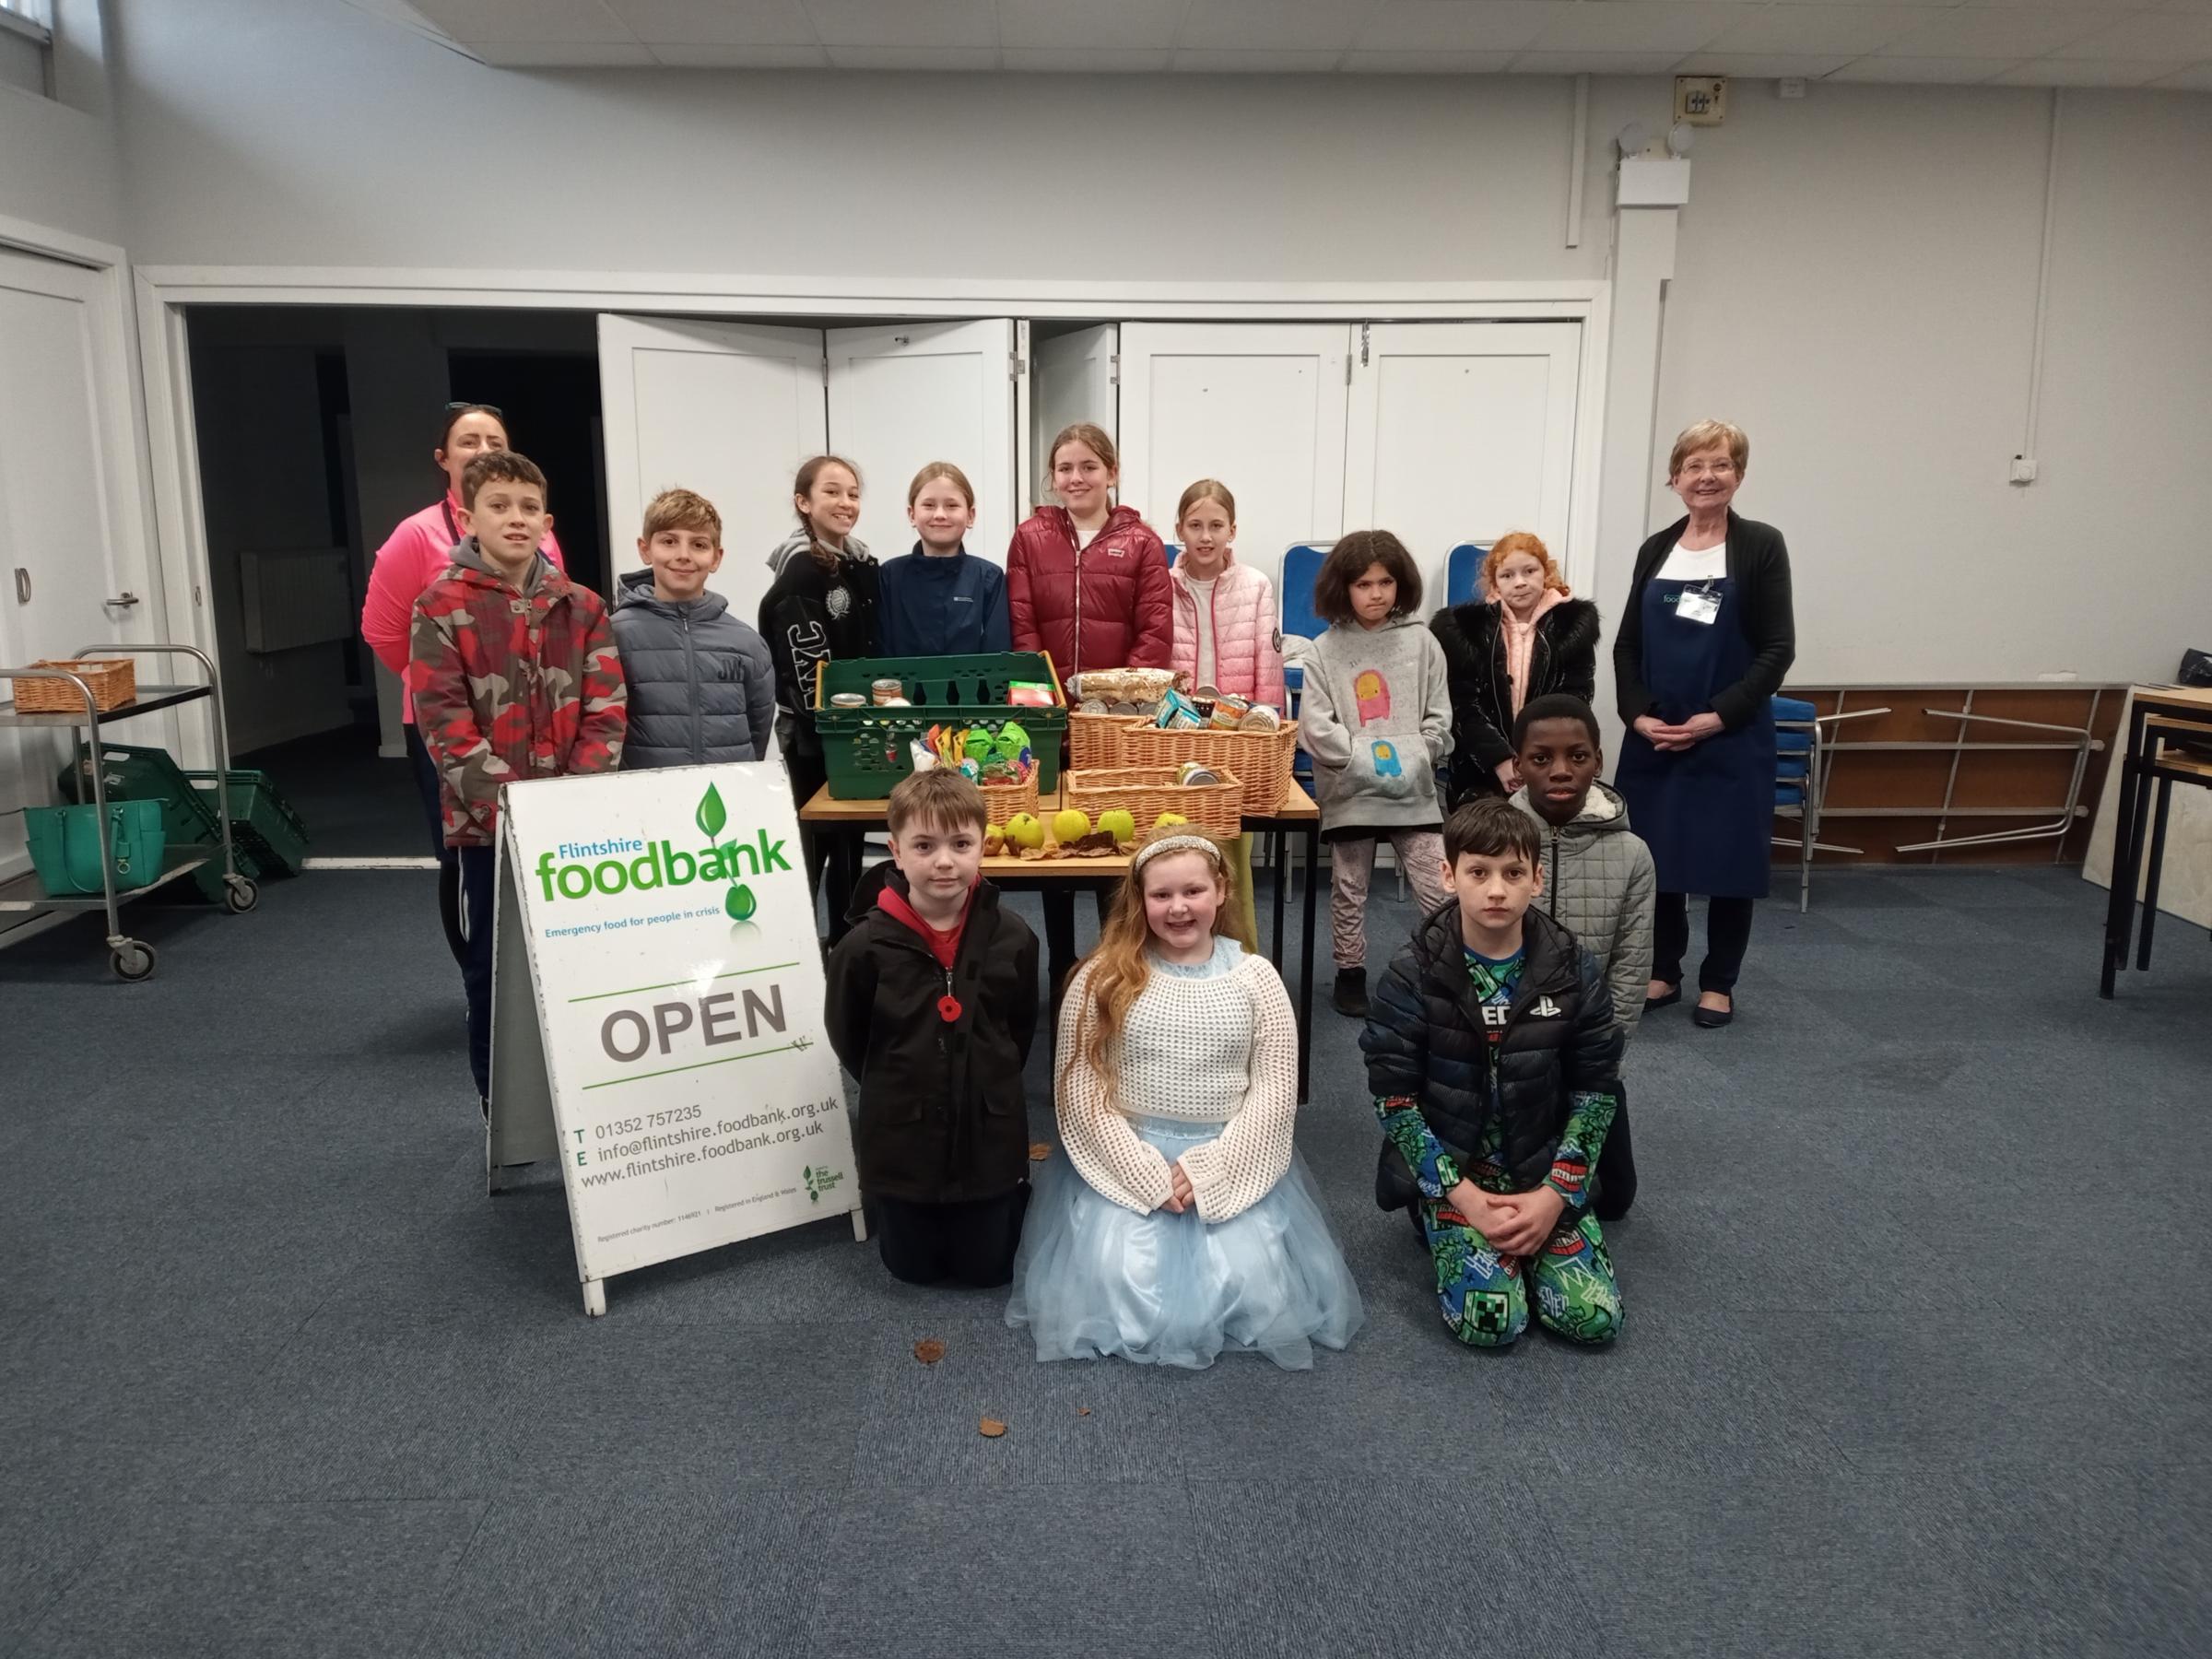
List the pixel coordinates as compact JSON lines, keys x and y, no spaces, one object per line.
{"x":124,"y":599}
{"x":22,"y":585}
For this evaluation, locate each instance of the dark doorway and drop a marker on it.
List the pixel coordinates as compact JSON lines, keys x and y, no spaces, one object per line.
{"x":552,"y":403}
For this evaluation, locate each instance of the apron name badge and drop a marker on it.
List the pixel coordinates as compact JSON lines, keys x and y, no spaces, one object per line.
{"x":1699,"y":605}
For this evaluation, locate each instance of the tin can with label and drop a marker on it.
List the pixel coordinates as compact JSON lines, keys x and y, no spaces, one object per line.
{"x":1193,"y":772}
{"x":847,"y":700}
{"x":888,"y":692}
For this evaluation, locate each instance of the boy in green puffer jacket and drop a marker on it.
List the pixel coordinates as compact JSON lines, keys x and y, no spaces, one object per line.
{"x":1598,"y":881}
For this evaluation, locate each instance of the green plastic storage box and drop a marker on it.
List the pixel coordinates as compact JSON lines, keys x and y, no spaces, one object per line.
{"x":262,"y":821}
{"x":64,"y":846}
{"x":136,"y":772}
{"x":866,"y":749}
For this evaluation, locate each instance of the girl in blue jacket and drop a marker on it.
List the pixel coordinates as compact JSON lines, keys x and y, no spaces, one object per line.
{"x":940,"y":600}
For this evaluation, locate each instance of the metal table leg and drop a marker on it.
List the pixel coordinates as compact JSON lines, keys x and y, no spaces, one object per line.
{"x":2157,"y":862}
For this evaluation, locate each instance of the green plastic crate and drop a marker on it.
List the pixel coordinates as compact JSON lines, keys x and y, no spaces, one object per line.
{"x":136,"y":772}
{"x":262,"y":821}
{"x":868,"y":749}
{"x":64,"y":846}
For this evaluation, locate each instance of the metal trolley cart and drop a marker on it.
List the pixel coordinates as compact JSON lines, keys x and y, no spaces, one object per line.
{"x":130,"y":959}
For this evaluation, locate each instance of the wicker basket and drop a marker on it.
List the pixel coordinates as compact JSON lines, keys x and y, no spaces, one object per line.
{"x":1094,"y":740}
{"x":1145,"y":792}
{"x":1001,"y":801}
{"x":113,"y":682}
{"x":1262,"y":758}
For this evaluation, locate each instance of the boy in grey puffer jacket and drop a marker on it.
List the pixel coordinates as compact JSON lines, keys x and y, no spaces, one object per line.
{"x":1598,"y":881}
{"x":703,"y":685}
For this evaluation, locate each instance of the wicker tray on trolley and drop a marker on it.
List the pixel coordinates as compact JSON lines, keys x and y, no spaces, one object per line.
{"x":1262,"y":760}
{"x":1145,"y":792}
{"x":113,"y":681}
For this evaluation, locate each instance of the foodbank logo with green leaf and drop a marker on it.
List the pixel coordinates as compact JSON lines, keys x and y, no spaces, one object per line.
{"x":820,"y":1181}
{"x":582,"y":869}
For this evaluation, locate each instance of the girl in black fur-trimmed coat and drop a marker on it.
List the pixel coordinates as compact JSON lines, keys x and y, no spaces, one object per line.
{"x":1526,"y":637}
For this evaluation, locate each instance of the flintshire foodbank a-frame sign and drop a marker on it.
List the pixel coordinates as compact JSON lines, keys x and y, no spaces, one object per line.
{"x":657,"y":1015}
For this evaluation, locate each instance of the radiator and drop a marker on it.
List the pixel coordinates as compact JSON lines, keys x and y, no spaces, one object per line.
{"x":296,"y":598}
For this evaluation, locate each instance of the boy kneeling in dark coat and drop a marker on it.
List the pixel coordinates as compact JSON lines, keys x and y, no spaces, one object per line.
{"x":1495,"y":1064}
{"x":932,"y":1005}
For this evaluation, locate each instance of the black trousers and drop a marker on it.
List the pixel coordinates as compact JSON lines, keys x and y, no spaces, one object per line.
{"x":1060,"y":955}
{"x":970,"y":1242}
{"x":449,"y":861}
{"x":1727,"y":935}
{"x":1613,"y":1189}
{"x":478,"y":867}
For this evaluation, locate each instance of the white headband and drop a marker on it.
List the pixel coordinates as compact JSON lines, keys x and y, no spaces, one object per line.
{"x":1173,"y":843}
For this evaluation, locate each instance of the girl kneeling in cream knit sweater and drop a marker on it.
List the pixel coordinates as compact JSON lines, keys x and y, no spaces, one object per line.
{"x":1180,"y":1221}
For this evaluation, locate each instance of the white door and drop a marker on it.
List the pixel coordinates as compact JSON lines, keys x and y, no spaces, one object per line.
{"x":1074,"y":377}
{"x":1460,"y":433}
{"x":903,"y":396}
{"x":58,"y":515}
{"x":727,"y":409}
{"x":1259,"y":406}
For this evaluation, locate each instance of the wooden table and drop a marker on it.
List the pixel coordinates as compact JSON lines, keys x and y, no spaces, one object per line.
{"x":1058,"y":879}
{"x":2155,"y":712}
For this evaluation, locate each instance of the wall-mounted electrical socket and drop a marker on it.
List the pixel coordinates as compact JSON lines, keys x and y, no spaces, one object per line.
{"x":2023,"y":469}
{"x":1701,"y":100}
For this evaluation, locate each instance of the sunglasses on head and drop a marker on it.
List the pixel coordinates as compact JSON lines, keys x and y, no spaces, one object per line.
{"x":491,"y":409}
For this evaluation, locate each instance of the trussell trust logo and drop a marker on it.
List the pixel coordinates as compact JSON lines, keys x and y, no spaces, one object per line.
{"x":605,"y":868}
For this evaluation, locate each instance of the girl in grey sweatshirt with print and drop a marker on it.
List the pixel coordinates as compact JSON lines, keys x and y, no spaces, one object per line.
{"x":1376,"y":716}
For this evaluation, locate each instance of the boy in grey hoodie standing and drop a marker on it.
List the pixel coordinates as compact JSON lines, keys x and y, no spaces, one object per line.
{"x":1598,"y":881}
{"x":703,"y":685}
{"x":1376,"y":716}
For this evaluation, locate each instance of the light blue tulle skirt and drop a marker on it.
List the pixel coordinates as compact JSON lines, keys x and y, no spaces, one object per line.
{"x":1093,"y":1280}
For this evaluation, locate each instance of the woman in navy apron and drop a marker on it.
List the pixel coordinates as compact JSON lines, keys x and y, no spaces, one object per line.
{"x":1705,"y":639}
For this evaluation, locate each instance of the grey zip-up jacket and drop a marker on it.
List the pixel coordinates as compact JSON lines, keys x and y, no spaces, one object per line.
{"x":702,"y":686}
{"x":1599,"y":884}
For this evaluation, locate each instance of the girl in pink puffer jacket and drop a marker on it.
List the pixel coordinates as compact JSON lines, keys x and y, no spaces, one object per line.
{"x":1227,"y":633}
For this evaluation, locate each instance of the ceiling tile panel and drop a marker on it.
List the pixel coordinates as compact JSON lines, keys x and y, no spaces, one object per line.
{"x":1624,"y":26}
{"x":1258,"y":61}
{"x":692,"y":54}
{"x":2011,"y":31}
{"x":1088,"y":60}
{"x":1955,"y":71}
{"x":1275,"y":25}
{"x":1458,"y":24}
{"x":2085,"y":72}
{"x":716,"y":22}
{"x":1427,"y":63}
{"x":515,"y":52}
{"x":525,"y":20}
{"x":925,"y":23}
{"x":1594,"y":63}
{"x":1065,"y":25}
{"x":2184,"y":37}
{"x":1852,"y":29}
{"x":1763,"y":65}
{"x":948,"y":58}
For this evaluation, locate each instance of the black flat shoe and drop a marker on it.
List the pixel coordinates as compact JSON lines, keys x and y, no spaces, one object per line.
{"x":1668,"y":1001}
{"x":1713,"y":1019}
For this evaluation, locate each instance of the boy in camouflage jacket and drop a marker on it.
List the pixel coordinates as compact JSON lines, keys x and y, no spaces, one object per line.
{"x":515,"y":678}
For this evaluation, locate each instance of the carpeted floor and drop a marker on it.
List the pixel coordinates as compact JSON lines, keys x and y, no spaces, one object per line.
{"x":1916,"y":1358}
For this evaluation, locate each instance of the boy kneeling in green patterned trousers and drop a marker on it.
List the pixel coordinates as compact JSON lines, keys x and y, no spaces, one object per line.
{"x":1494,"y":1061}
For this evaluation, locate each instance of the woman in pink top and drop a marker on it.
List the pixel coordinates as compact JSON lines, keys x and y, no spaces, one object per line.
{"x":415,"y":555}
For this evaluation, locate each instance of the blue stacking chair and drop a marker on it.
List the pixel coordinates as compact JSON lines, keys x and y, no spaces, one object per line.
{"x":1174,"y":552}
{"x":1797,"y":783}
{"x":1463,"y":573}
{"x":1294,"y":597}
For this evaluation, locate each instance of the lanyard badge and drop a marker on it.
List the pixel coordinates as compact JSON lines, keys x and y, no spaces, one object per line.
{"x":1699,"y":605}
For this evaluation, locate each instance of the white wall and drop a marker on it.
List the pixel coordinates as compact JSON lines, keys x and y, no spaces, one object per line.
{"x":1855,"y":285}
{"x":58,"y":155}
{"x":1855,"y":282}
